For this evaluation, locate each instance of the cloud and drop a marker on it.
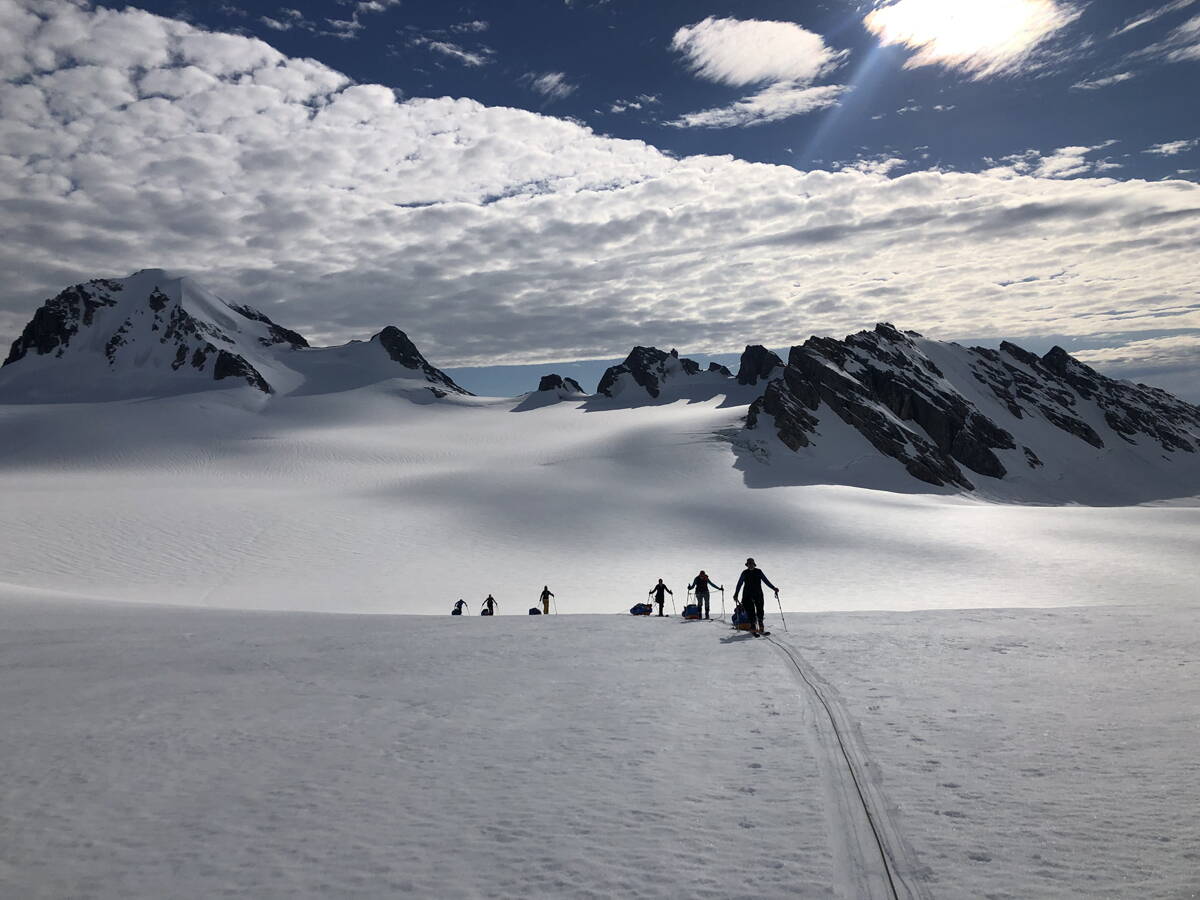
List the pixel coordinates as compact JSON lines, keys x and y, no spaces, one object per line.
{"x":1181,"y":45}
{"x":1169,"y":361}
{"x":639,"y":102}
{"x":496,"y":235}
{"x":771,"y":104}
{"x":470,"y":58}
{"x":472,"y":27}
{"x":743,"y":52}
{"x":1152,"y":15}
{"x":1065,"y":162}
{"x":981,"y":38}
{"x":1173,"y":148}
{"x":881,"y":164}
{"x":553,"y":85}
{"x":781,"y":55}
{"x":1106,"y":81}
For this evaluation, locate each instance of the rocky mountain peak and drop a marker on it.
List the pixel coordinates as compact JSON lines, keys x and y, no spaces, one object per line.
{"x":555,"y":382}
{"x":757,"y":364}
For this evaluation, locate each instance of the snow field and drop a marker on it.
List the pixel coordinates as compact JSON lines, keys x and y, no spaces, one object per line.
{"x":1029,"y":753}
{"x":364,"y":501}
{"x":150,"y":752}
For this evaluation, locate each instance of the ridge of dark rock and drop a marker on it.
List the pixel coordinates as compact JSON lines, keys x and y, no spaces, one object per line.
{"x":403,"y":351}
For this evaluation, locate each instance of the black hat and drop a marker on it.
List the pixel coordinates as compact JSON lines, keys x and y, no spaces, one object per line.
{"x":750,"y":561}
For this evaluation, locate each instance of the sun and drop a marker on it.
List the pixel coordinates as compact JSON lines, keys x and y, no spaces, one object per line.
{"x":983,"y":37}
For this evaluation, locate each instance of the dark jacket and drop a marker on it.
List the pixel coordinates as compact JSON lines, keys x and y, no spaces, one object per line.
{"x":752,"y":580}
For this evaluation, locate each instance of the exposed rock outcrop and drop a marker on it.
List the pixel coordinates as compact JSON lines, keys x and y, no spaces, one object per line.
{"x":758,"y":364}
{"x":555,"y":382}
{"x":886,"y":385}
{"x":650,"y":369}
{"x":405,"y":352}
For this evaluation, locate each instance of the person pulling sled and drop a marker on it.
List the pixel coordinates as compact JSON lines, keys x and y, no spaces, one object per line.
{"x":752,"y":579}
{"x":459,"y":608}
{"x":700,"y":585}
{"x":659,"y":592}
{"x":489,"y":606}
{"x":545,"y":598}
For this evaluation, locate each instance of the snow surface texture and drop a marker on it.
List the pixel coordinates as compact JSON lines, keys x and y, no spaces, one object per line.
{"x":152,"y":752}
{"x":367,"y":501}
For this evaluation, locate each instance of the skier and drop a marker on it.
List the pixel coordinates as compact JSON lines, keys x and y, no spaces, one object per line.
{"x":660,"y":592}
{"x":752,"y":600}
{"x":489,"y":606}
{"x":459,"y":607}
{"x":545,"y":598}
{"x":700,"y":585}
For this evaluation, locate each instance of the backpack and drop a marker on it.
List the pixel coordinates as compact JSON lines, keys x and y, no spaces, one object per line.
{"x":534,"y":611}
{"x":456,"y":611}
{"x":641,"y":609}
{"x":741,"y":619}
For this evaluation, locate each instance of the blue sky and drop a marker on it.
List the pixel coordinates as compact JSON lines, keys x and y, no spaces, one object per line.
{"x":527,"y":183}
{"x":613,"y":54}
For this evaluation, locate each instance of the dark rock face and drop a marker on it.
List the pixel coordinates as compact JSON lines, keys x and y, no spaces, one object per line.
{"x":230,"y":365}
{"x":279,"y":334}
{"x":650,"y":367}
{"x":883,"y":384}
{"x":720,"y":369}
{"x":1054,"y":386}
{"x":878,"y":382}
{"x":554,"y":382}
{"x":757,"y":364}
{"x":59,"y":319}
{"x":402,"y":350}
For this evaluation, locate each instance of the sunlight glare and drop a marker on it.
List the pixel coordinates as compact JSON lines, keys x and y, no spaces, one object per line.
{"x":983,"y":37}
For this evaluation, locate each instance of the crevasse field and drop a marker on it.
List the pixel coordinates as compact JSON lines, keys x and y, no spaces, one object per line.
{"x":1014,"y":687}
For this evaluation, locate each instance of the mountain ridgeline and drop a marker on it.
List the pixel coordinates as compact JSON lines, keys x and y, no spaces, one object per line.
{"x":882,"y":401}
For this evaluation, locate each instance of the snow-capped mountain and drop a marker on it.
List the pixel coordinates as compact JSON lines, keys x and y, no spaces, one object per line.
{"x":882,"y":409}
{"x":156,"y":334}
{"x":971,"y":418}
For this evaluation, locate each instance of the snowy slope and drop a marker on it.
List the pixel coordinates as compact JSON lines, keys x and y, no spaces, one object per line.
{"x":156,"y":334}
{"x":365,"y":500}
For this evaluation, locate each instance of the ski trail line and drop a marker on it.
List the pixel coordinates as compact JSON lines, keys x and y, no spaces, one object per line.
{"x":897,"y":883}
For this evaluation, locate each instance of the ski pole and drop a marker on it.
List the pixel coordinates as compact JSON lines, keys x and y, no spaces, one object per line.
{"x":673,"y":612}
{"x":554,"y":600}
{"x":780,"y":602}
{"x":722,"y":603}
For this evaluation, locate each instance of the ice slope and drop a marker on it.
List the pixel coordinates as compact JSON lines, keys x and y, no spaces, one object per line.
{"x":365,"y":500}
{"x":151,"y":752}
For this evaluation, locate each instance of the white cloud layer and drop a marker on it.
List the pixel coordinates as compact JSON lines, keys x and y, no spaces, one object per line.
{"x":743,"y":52}
{"x":498,"y":235}
{"x":553,"y":85}
{"x":981,"y":38}
{"x":1153,"y":14}
{"x":1107,"y":81}
{"x":1172,"y":148}
{"x":781,"y":55}
{"x":771,"y":104}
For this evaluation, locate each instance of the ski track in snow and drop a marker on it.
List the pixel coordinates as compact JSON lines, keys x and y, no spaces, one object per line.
{"x":151,"y":752}
{"x":1028,"y":753}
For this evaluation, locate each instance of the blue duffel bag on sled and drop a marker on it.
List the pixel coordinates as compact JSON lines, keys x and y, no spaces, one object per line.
{"x":692,"y":611}
{"x":534,"y":611}
{"x":741,"y":619}
{"x":641,"y":609}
